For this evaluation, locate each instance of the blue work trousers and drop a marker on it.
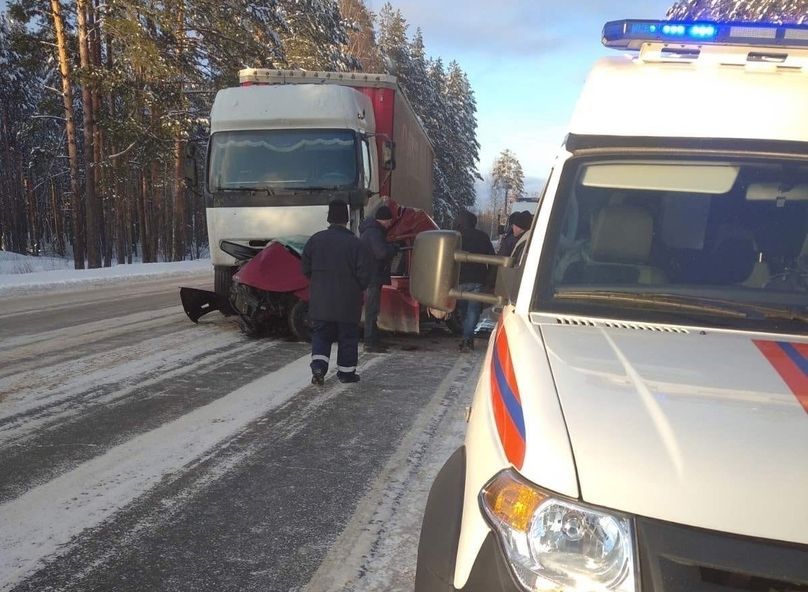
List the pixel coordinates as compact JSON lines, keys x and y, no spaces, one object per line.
{"x":325,"y":333}
{"x":470,"y":311}
{"x":373,"y":301}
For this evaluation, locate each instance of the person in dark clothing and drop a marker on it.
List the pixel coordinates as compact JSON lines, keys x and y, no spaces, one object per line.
{"x":520,"y":223}
{"x":338,"y":268}
{"x":507,"y":240}
{"x":374,"y":237}
{"x":473,"y":276}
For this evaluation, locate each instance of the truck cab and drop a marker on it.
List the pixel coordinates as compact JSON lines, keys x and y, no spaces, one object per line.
{"x":641,"y":417}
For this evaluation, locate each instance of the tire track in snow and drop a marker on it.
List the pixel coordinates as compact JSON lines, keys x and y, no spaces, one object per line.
{"x":169,"y":500}
{"x":56,"y":391}
{"x":85,"y":429}
{"x":377,"y":549}
{"x":28,"y":352}
{"x":43,"y":522}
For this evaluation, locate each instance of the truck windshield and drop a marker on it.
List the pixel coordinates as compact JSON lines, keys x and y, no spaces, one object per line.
{"x":667,"y":238}
{"x":283,"y":159}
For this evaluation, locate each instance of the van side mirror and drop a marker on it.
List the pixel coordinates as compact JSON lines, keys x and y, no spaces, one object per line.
{"x":389,"y":155}
{"x":435,"y":270}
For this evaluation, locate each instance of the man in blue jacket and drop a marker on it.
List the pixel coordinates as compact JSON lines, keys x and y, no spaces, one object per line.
{"x":374,"y":237}
{"x":338,"y":268}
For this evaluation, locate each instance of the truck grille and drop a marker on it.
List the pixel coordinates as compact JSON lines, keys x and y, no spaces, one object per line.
{"x":680,"y":559}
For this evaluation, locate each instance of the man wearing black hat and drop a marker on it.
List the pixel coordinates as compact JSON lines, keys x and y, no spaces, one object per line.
{"x":473,"y":276}
{"x":520,"y":223}
{"x":374,"y":237}
{"x":338,"y":268}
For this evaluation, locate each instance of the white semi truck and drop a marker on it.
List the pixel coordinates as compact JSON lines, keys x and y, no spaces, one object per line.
{"x":284,"y":144}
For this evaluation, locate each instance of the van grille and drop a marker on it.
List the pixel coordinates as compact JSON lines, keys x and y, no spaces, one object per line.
{"x":676,"y":558}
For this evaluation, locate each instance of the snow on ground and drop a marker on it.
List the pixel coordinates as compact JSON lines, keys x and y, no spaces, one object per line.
{"x":44,"y":521}
{"x":23,"y":272}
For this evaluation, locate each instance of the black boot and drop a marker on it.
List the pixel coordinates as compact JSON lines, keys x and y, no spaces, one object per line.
{"x":348,"y":377}
{"x":318,"y":377}
{"x":467,"y":345}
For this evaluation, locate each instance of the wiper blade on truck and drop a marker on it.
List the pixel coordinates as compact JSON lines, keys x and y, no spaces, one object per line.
{"x":267,"y":190}
{"x":696,"y":304}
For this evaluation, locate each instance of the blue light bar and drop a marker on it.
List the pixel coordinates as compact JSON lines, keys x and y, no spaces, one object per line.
{"x":632,"y":34}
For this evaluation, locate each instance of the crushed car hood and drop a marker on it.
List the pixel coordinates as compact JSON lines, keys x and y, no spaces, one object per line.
{"x":698,"y":428}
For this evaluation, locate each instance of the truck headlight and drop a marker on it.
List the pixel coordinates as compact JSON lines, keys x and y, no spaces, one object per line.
{"x":557,"y":544}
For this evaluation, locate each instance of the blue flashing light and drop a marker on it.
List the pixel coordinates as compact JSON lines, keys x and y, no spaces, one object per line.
{"x":632,"y":34}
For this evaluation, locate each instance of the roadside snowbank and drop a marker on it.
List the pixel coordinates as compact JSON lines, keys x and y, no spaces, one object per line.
{"x":22,"y":272}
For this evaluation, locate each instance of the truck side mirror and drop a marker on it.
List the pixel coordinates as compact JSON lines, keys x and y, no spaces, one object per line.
{"x":389,"y":155}
{"x":190,"y":163}
{"x":434,"y":271}
{"x":501,"y":229}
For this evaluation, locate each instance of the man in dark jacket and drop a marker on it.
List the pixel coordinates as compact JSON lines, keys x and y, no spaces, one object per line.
{"x":338,"y":268}
{"x":473,"y":276}
{"x":374,"y":237}
{"x":520,"y":223}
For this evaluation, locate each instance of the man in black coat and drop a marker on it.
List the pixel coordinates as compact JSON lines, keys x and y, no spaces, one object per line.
{"x":520,"y":223}
{"x":374,"y":237}
{"x":473,"y":276}
{"x":338,"y":268}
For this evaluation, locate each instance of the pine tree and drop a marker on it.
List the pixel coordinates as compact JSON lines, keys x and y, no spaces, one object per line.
{"x":773,"y":11}
{"x":507,"y":182}
{"x":394,"y":45}
{"x":463,"y":146}
{"x":316,"y":36}
{"x":361,"y":44}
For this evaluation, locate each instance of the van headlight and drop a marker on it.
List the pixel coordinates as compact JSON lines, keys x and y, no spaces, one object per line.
{"x":557,"y":544}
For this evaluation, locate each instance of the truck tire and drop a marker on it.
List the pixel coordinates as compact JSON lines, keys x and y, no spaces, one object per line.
{"x":299,"y":323}
{"x":222,"y":280}
{"x":440,"y":529}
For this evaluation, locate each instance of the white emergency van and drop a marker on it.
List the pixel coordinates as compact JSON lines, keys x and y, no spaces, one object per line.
{"x":641,"y":417}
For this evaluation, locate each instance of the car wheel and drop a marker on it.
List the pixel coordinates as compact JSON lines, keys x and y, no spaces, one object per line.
{"x":299,"y":323}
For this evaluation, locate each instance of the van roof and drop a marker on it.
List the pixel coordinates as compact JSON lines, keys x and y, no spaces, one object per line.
{"x":717,"y":92}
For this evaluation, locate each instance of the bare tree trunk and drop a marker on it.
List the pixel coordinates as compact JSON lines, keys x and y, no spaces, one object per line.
{"x":143,"y":214}
{"x":79,"y":244}
{"x":58,"y":225}
{"x":93,"y":209}
{"x":179,"y":149}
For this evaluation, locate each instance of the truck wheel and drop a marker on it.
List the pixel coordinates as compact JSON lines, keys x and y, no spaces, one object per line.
{"x":440,"y":529}
{"x":299,"y":323}
{"x":222,"y":280}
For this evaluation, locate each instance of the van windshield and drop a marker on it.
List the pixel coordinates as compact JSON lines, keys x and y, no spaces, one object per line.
{"x":688,"y":240}
{"x":283,"y":159}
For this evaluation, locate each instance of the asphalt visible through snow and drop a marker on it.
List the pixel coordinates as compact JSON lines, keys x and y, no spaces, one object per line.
{"x":139,"y":451}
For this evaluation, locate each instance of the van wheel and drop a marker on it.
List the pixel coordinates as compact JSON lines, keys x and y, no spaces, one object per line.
{"x":440,"y":529}
{"x":299,"y":323}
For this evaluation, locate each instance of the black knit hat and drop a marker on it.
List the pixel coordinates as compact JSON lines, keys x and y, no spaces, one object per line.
{"x":523,"y":220}
{"x":337,"y":212}
{"x":384,"y":213}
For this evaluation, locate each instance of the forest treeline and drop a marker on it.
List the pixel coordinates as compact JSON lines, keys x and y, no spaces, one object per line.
{"x":104,"y":106}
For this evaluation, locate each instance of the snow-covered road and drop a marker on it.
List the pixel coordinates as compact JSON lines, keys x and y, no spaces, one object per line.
{"x":141,"y":452}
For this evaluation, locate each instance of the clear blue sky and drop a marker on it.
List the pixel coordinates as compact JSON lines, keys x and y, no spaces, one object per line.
{"x":526,"y":60}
